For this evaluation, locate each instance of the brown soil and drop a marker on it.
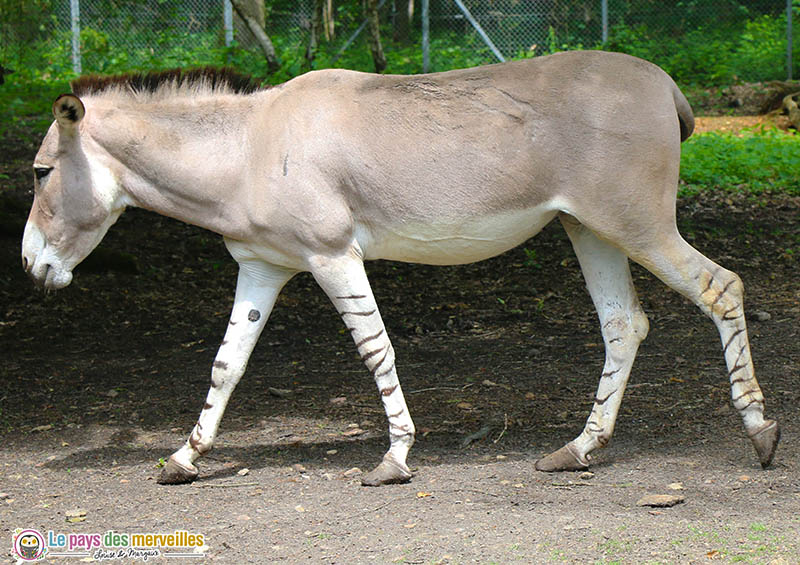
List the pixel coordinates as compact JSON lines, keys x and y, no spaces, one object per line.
{"x":735,"y":124}
{"x":101,"y":380}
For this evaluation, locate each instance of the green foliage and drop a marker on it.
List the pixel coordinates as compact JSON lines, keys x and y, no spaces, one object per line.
{"x":749,"y":50}
{"x":756,"y":160}
{"x":25,"y":105}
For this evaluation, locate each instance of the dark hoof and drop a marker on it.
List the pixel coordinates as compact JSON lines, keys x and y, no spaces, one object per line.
{"x":176,"y":474}
{"x":766,"y":441}
{"x":565,"y":459}
{"x":387,"y":473}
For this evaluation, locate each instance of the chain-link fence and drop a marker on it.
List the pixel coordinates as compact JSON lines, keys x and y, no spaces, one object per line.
{"x":115,"y":35}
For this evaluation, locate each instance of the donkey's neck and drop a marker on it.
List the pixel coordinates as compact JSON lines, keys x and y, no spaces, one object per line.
{"x":183,"y":158}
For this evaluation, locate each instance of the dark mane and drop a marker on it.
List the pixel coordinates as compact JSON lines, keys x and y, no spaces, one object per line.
{"x":212,"y":79}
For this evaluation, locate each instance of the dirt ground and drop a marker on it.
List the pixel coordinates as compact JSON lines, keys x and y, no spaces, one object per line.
{"x":105,"y":378}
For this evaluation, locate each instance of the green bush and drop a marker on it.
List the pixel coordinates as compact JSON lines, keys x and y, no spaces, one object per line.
{"x":750,"y":51}
{"x":761,"y":51}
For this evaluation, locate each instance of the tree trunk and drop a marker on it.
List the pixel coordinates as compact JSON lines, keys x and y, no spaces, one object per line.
{"x":374,"y":37}
{"x":241,"y":7}
{"x":329,"y":22}
{"x":316,"y":31}
{"x":403,"y":18}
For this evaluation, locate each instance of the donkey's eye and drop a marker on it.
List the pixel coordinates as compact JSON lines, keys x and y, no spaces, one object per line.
{"x":42,"y":172}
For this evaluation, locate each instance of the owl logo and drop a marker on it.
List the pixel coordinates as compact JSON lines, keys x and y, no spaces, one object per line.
{"x":29,"y":545}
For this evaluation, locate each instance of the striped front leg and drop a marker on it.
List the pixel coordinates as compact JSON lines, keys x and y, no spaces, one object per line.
{"x":344,"y":281}
{"x":257,"y":289}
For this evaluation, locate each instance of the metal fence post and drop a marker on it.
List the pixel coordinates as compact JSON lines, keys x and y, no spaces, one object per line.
{"x":480,"y":31}
{"x":604,"y":13}
{"x":788,"y":39}
{"x":227,"y":16}
{"x":75,"y":18}
{"x":426,"y":25}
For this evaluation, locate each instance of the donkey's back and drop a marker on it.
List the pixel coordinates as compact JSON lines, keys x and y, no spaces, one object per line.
{"x":459,"y":166}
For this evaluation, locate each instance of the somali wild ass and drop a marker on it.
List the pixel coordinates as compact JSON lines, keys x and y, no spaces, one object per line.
{"x":337,"y":167}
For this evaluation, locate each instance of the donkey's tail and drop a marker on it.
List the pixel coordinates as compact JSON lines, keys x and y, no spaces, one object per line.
{"x":685,"y":114}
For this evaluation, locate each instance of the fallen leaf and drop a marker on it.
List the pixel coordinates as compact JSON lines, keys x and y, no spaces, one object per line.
{"x":78,"y":515}
{"x":243,"y":472}
{"x":423,"y":494}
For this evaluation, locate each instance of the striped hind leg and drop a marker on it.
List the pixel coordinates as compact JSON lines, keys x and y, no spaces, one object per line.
{"x":257,"y":289}
{"x":344,"y":281}
{"x":720,"y":295}
{"x":624,"y":325}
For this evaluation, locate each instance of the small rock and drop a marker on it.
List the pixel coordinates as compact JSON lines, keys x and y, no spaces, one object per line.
{"x":762,"y":316}
{"x":353,"y":432}
{"x":352,"y":472}
{"x":280,"y":392}
{"x":464,"y":405}
{"x":339,"y":401}
{"x":299,"y":508}
{"x":500,"y":457}
{"x":586,"y":475}
{"x":744,"y":478}
{"x":243,"y":472}
{"x":332,"y":452}
{"x":675,"y":486}
{"x":299,"y":468}
{"x":77,"y":515}
{"x":112,"y":393}
{"x":659,"y":500}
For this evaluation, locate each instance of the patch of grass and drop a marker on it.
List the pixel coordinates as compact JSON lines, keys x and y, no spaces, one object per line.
{"x":754,"y":161}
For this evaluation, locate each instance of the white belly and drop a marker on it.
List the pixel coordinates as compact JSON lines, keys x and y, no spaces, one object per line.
{"x":452,"y":242}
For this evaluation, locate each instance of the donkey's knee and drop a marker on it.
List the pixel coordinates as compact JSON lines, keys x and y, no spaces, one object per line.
{"x":624,"y":330}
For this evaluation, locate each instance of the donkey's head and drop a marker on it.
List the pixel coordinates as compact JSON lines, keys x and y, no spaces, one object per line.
{"x":76,"y":198}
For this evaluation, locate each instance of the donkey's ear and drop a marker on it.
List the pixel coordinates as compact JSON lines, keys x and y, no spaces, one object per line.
{"x":68,"y":110}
